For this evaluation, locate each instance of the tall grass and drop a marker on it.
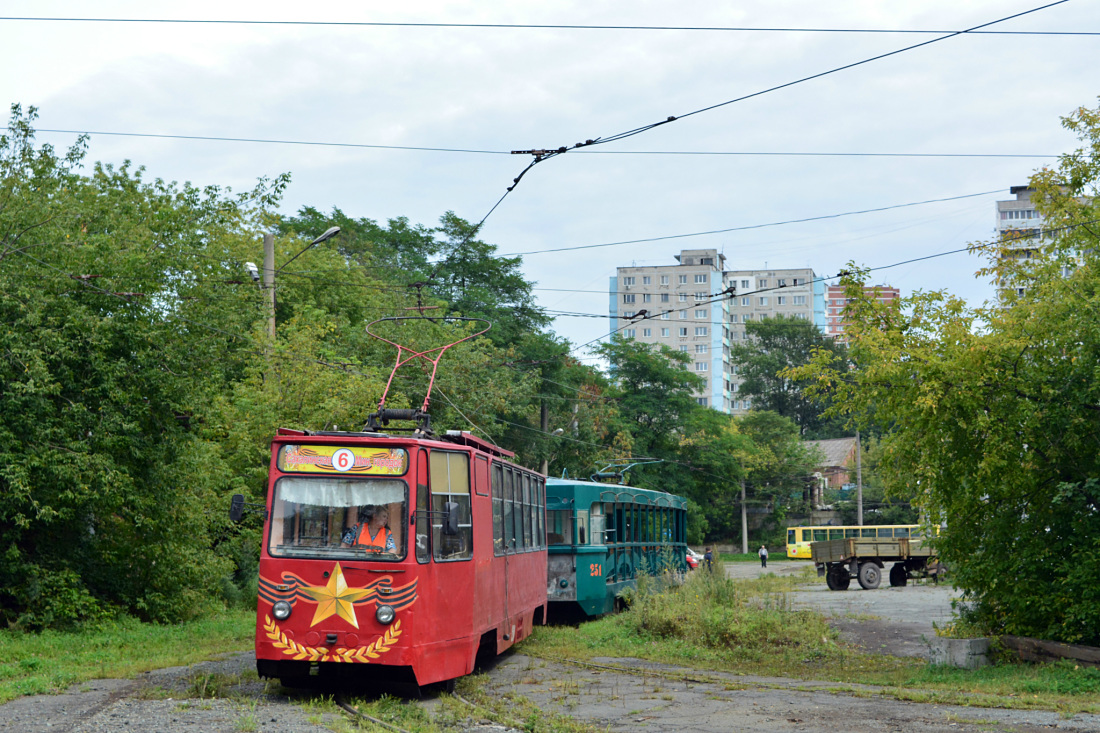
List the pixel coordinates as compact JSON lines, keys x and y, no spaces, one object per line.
{"x":744,"y":621}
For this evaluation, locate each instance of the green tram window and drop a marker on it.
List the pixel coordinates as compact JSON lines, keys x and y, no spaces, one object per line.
{"x":596,"y":524}
{"x":851,"y":532}
{"x":867,"y":532}
{"x":820,"y":535}
{"x":836,"y":534}
{"x":560,"y":527}
{"x":582,"y":527}
{"x":610,"y":520}
{"x":790,"y":536}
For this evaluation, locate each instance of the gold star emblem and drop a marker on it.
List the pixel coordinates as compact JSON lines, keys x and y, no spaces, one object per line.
{"x":335,"y":598}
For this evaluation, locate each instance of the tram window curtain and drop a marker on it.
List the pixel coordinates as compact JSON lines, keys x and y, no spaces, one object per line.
{"x":336,"y":493}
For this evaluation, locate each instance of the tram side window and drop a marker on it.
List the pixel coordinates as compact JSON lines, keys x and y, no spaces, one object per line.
{"x":450,"y":474}
{"x":509,"y":526}
{"x":867,"y":532}
{"x":540,"y":511}
{"x":851,"y":532}
{"x":596,"y":524}
{"x":582,"y":527}
{"x":498,"y":509}
{"x":820,"y":535}
{"x":560,"y":527}
{"x":517,"y":512}
{"x":836,"y":534}
{"x":524,"y":504}
{"x":423,"y":507}
{"x":532,"y":525}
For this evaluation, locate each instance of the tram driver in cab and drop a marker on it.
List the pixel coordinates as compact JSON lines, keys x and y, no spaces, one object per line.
{"x":372,"y":533}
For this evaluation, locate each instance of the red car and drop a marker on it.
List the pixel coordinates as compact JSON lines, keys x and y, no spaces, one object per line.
{"x":693,"y":559}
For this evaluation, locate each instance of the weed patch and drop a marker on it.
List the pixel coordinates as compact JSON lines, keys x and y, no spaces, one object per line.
{"x":51,"y":661}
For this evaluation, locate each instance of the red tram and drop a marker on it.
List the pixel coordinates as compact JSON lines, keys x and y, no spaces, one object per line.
{"x":402,"y":557}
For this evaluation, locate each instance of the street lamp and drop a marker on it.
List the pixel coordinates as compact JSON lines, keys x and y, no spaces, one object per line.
{"x":329,"y":234}
{"x":270,"y":271}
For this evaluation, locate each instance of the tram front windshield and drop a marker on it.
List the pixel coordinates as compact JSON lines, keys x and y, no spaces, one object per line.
{"x":341,"y":518}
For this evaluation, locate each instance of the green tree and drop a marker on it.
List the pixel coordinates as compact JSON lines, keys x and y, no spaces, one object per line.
{"x":454,"y":268}
{"x":120,"y":322}
{"x":994,"y":412}
{"x":776,"y":344}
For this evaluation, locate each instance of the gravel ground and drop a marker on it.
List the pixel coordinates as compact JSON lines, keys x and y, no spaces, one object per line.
{"x":163,"y":701}
{"x":627,"y":702}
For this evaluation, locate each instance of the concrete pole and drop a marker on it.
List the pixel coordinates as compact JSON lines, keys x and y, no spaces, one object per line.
{"x":859,"y":481}
{"x":269,"y":282}
{"x":744,"y":521}
{"x":545,"y":429}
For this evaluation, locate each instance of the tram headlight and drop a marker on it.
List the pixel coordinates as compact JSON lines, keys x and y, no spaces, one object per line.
{"x":384,"y":614}
{"x":281,"y":610}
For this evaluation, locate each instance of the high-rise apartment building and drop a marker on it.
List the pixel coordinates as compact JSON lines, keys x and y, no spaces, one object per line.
{"x":683,"y":307}
{"x":1020,"y":226}
{"x":835,"y":301}
{"x":672,"y":305}
{"x":796,"y":293}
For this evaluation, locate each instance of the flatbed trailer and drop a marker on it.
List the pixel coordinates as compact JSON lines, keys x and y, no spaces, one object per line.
{"x":865,"y":558}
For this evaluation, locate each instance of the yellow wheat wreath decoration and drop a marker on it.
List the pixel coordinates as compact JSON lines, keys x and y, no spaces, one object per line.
{"x":379,"y":646}
{"x":290,"y":647}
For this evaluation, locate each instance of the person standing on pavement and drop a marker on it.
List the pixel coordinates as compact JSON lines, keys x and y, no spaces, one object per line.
{"x":763,"y":553}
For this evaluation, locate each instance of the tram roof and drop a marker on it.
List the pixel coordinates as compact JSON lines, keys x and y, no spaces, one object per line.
{"x":584,"y":492}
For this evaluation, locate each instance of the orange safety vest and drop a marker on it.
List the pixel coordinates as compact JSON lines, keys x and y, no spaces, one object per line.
{"x":378,"y":544}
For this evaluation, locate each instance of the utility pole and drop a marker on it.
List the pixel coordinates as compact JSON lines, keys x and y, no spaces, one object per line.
{"x":859,"y":481}
{"x":744,"y":522}
{"x":545,"y":429}
{"x":269,"y":282}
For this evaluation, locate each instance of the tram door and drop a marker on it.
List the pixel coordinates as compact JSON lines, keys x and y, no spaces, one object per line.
{"x":483,"y":540}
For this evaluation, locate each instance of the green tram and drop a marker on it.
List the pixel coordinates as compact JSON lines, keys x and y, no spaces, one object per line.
{"x":600,"y":537}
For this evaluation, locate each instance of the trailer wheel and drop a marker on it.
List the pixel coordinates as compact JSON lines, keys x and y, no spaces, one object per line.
{"x":870,"y":575}
{"x":837,"y":578}
{"x":898,"y":576}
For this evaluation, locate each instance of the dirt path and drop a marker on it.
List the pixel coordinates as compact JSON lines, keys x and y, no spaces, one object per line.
{"x":628,"y":702}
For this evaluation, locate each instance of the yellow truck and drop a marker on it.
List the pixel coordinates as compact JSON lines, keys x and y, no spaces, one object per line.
{"x":865,"y":559}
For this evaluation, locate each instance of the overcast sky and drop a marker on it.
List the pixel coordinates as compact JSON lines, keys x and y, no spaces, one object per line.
{"x":502,"y":89}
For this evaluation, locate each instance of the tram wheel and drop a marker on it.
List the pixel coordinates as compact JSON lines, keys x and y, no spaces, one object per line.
{"x":870,"y":575}
{"x":898,"y":576}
